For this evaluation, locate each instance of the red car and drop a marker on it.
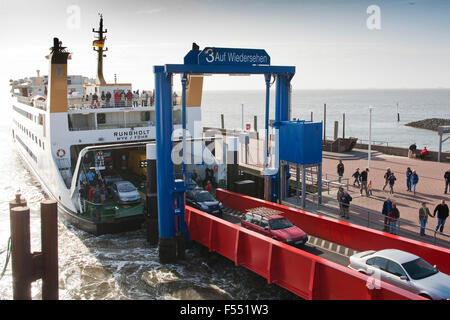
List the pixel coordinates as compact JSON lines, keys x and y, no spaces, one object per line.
{"x":275,"y":226}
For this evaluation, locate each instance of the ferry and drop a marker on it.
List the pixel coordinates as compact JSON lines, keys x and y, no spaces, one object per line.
{"x":85,"y":140}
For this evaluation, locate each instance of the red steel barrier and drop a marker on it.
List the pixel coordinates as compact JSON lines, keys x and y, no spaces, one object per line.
{"x":341,"y":232}
{"x":300,"y":272}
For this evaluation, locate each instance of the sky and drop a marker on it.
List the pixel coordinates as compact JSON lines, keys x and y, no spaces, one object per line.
{"x":333,"y":44}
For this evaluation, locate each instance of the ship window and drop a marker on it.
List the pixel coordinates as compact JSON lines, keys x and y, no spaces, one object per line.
{"x":101,"y":118}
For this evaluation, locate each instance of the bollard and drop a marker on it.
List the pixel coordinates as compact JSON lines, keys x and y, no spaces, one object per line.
{"x":21,"y":259}
{"x":49,"y":240}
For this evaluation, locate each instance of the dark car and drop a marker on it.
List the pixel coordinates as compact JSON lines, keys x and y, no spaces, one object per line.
{"x":205,"y":201}
{"x":276,"y":227}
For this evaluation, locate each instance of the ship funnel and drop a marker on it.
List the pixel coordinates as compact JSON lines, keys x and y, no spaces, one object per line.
{"x":57,"y":82}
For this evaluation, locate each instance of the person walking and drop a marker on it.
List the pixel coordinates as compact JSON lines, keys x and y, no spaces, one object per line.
{"x":356,"y":175}
{"x":387,"y":205}
{"x":408,"y":179}
{"x":363,"y":178}
{"x":386,"y":177}
{"x":414,"y":180}
{"x":394,"y":215}
{"x":442,"y":212}
{"x":340,"y":170}
{"x":369,"y":188}
{"x":391,"y":179}
{"x":340,"y":194}
{"x":447,"y":180}
{"x":424,"y":212}
{"x":346,"y":199}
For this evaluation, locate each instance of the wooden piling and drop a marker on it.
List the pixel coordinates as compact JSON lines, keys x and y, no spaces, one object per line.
{"x":21,"y":259}
{"x":49,"y":240}
{"x":26,"y":266}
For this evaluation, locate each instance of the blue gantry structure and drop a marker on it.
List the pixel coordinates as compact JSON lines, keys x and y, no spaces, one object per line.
{"x":171,"y":186}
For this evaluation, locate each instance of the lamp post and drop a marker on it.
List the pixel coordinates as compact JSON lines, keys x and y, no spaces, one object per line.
{"x":370,"y":136}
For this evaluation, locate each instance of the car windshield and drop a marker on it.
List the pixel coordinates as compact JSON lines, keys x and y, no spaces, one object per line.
{"x":282,"y":223}
{"x":419,"y":269}
{"x":126,"y":187}
{"x":204,"y":196}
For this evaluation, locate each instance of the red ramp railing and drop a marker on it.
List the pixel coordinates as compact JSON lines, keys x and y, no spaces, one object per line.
{"x":300,"y":272}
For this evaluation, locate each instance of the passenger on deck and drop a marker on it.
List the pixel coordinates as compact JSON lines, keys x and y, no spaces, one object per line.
{"x":209,"y":186}
{"x":95,"y":102}
{"x":108,"y":99}
{"x":143,"y":99}
{"x":135,"y":99}
{"x":116,"y":99}
{"x":129,"y":98}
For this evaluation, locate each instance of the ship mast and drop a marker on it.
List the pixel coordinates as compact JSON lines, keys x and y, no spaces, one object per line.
{"x":100,"y":43}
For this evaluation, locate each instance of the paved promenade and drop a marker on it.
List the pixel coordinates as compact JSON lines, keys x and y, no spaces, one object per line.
{"x":429,"y":189}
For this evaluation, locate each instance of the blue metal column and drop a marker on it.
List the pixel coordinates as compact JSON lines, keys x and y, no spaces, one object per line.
{"x":165,"y":175}
{"x":266,"y":122}
{"x":183,"y":121}
{"x":281,"y":114}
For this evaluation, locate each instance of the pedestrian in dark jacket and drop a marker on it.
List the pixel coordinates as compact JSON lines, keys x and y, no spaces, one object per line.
{"x":340,"y":170}
{"x":414,"y":180}
{"x":387,"y":205}
{"x":356,"y":175}
{"x":391,"y":180}
{"x":394,"y":215}
{"x":442,"y":214}
{"x":447,"y":180}
{"x":386,"y":177}
{"x":408,"y":179}
{"x":363,"y":178}
{"x":346,"y":199}
{"x":340,"y":194}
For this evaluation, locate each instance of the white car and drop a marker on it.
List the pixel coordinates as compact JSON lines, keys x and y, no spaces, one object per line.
{"x":404,"y":270}
{"x":125,"y":192}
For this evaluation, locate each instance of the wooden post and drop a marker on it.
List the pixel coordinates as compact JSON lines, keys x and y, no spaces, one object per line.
{"x":255,"y":123}
{"x":21,"y":258}
{"x":336,"y":128}
{"x":325,"y":122}
{"x":49,"y":240}
{"x":343,"y":126}
{"x":222,"y":121}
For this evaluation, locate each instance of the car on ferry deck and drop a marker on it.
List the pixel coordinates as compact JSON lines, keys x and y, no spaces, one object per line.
{"x":276,"y":227}
{"x":124,"y":192}
{"x":404,"y":270}
{"x":203,"y":200}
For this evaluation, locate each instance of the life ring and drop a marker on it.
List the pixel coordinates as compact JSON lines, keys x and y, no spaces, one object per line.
{"x":61,"y":153}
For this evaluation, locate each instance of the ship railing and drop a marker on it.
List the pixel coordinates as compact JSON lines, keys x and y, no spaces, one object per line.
{"x":99,"y":104}
{"x":24,"y":100}
{"x":118,"y":125}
